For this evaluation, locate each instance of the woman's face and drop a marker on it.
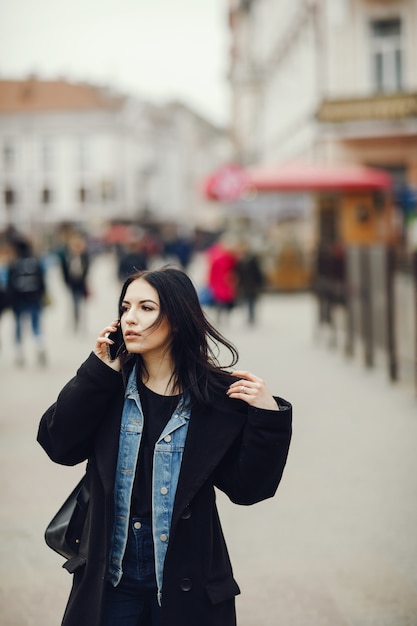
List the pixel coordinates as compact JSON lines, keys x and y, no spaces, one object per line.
{"x":140,"y":309}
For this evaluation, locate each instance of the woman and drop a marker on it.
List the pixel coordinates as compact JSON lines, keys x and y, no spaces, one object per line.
{"x":161,"y":425}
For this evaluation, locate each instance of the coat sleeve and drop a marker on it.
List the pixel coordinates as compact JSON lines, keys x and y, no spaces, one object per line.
{"x":252,"y":469}
{"x":66,"y":430}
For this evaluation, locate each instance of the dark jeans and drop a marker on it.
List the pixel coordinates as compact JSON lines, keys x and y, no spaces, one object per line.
{"x":133,"y":602}
{"x":30,"y":310}
{"x":78,"y":300}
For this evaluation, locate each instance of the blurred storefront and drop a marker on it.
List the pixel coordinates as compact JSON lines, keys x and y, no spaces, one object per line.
{"x":382,"y":131}
{"x":299,"y":208}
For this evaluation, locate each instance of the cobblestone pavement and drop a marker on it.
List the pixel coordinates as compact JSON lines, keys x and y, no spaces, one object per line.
{"x":337,"y":546}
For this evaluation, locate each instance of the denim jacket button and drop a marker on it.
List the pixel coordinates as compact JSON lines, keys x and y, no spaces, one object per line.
{"x":186,"y":584}
{"x":163,"y":537}
{"x":164,"y":491}
{"x":167,"y":438}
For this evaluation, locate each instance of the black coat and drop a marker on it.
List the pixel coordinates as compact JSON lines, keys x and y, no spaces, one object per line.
{"x":239,"y":449}
{"x":76,"y":281}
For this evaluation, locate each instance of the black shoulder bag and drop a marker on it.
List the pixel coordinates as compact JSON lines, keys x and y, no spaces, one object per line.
{"x":63,"y":533}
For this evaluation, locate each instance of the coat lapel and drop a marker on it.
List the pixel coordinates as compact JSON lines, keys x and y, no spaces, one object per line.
{"x":107,"y":448}
{"x":210,"y":434}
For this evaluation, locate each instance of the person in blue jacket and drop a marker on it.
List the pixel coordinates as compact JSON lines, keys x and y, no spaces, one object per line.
{"x":161,"y":424}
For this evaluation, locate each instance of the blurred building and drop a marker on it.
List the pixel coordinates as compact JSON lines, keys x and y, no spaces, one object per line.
{"x":180,"y":148}
{"x":332,"y":80}
{"x":79,"y":153}
{"x":328,"y":83}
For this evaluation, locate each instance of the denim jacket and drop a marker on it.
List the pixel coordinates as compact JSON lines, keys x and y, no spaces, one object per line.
{"x":167,"y":459}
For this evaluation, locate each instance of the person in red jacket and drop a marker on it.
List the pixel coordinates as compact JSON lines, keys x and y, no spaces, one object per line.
{"x":221,"y":279}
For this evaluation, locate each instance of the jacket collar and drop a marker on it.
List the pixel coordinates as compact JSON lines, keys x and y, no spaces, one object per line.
{"x":211,"y":431}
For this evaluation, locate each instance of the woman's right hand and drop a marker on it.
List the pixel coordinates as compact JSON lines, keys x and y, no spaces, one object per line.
{"x":101,"y":348}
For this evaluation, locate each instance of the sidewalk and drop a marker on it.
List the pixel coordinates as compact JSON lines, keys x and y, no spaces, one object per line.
{"x":337,"y":546}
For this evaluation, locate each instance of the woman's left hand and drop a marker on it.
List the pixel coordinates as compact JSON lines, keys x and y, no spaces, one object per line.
{"x":103,"y":342}
{"x":252,"y":390}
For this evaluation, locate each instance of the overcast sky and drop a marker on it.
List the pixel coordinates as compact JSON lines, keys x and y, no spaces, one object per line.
{"x":160,"y":49}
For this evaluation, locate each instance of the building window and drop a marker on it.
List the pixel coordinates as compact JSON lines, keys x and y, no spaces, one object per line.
{"x":245,"y":5}
{"x":9,"y":155}
{"x":46,"y":196}
{"x":9,"y":197}
{"x":387,"y":55}
{"x":46,"y":154}
{"x":82,"y":154}
{"x":82,"y":195}
{"x":107,"y":190}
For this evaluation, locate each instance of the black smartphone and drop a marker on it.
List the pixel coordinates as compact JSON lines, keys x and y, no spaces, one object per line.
{"x":117,"y":337}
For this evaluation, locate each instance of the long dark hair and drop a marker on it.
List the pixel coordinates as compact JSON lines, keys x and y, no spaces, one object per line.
{"x":195,"y":345}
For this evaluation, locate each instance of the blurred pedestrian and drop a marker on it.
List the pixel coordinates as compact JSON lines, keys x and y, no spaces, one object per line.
{"x":26,"y":292}
{"x":250,"y":279}
{"x":75,"y":262}
{"x":133,"y":257}
{"x":4,"y":270}
{"x":161,"y":426}
{"x":221,"y":280}
{"x":180,"y":249}
{"x":183,"y":249}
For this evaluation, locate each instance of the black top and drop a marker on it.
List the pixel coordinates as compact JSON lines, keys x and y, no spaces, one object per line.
{"x":157,"y":411}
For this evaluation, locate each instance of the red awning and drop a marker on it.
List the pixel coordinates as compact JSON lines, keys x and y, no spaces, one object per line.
{"x":231,"y":182}
{"x":227,"y":183}
{"x":312,"y":177}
